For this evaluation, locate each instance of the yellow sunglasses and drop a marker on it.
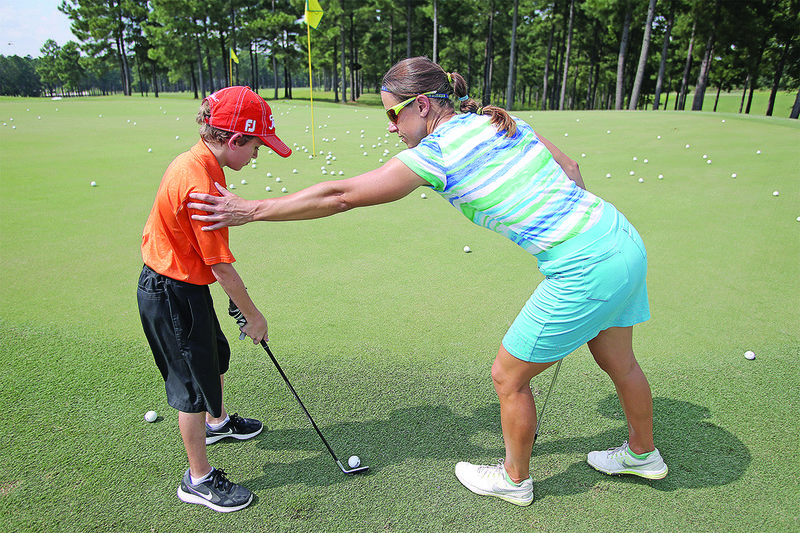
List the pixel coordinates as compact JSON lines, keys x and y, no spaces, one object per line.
{"x":393,"y":111}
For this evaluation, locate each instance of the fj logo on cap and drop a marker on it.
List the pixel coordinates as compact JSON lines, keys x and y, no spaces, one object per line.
{"x":250,"y":125}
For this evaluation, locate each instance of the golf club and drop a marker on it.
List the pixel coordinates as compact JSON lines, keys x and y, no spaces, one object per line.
{"x":241,"y":321}
{"x":541,"y":413}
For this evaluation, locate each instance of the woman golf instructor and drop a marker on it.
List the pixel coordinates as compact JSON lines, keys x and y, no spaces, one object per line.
{"x":502,"y":176}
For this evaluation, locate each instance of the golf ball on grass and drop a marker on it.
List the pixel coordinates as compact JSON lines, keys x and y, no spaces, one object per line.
{"x":354,"y":461}
{"x":150,"y":416}
{"x":776,"y":193}
{"x":749,"y":355}
{"x":93,"y":184}
{"x":467,"y":249}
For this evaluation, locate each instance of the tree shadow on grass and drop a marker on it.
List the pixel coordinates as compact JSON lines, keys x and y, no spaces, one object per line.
{"x":698,"y":452}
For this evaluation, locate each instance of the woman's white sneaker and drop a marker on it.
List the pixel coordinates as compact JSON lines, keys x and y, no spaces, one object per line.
{"x":492,"y":480}
{"x":617,"y":461}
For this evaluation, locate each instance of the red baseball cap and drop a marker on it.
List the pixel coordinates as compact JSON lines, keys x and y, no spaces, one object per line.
{"x":240,"y":110}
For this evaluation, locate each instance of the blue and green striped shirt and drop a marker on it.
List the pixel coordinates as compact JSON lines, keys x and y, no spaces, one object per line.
{"x":511,"y":185}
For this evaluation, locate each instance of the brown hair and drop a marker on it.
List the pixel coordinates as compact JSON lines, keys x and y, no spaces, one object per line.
{"x":417,"y":75}
{"x":214,"y":135}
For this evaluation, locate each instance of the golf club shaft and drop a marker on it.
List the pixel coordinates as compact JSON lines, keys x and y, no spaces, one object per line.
{"x":544,"y":406}
{"x":234,"y":312}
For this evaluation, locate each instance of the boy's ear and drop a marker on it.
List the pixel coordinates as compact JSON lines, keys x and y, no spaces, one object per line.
{"x":232,"y":141}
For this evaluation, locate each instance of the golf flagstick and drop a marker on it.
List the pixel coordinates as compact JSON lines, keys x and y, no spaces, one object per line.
{"x":241,"y":321}
{"x":541,"y":414}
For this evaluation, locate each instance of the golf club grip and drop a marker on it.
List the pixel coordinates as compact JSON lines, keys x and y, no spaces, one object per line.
{"x":296,"y":397}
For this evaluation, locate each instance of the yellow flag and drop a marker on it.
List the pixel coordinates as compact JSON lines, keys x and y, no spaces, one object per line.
{"x":233,"y":56}
{"x":313,"y":13}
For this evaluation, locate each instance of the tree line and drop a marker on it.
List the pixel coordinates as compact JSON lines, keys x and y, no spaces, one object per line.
{"x":533,"y":54}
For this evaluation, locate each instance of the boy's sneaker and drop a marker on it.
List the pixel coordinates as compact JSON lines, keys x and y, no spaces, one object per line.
{"x":237,"y":427}
{"x":492,"y":480}
{"x":616,"y":461}
{"x":217,"y":492}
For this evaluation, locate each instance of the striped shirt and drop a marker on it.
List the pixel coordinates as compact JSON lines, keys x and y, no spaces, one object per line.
{"x":511,"y":185}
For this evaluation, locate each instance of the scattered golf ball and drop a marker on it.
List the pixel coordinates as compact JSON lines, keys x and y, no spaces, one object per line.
{"x":583,"y":155}
{"x":687,"y":146}
{"x":708,"y":161}
{"x":244,"y":182}
{"x":294,"y":171}
{"x":776,"y":193}
{"x":268,"y":189}
{"x":423,"y":195}
{"x":661,"y":176}
{"x":641,"y":180}
{"x":149,"y":149}
{"x":231,"y":186}
{"x":566,"y":135}
{"x":467,"y":249}
{"x":733,"y":175}
{"x":608,"y":131}
{"x":645,"y":161}
{"x":177,"y":137}
{"x":635,"y":158}
{"x":632,"y":173}
{"x":277,"y":180}
{"x":705,"y":156}
{"x":283,"y":189}
{"x":758,"y":151}
{"x":150,"y":416}
{"x":608,"y":175}
{"x":749,"y":355}
{"x":269,"y":174}
{"x":93,"y":184}
{"x":354,"y":461}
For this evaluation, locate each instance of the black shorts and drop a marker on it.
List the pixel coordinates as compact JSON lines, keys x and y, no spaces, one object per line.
{"x":188,"y":345}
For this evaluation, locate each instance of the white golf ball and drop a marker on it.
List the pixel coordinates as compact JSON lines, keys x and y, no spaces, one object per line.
{"x":149,"y":149}
{"x":608,"y":175}
{"x":354,"y":461}
{"x":635,"y":158}
{"x":687,"y":146}
{"x":277,"y":180}
{"x":294,"y":171}
{"x":467,"y":249}
{"x":708,"y":161}
{"x":641,"y":180}
{"x":661,"y":176}
{"x":423,"y":196}
{"x":283,"y":189}
{"x":150,"y":416}
{"x":268,"y":189}
{"x":749,"y":355}
{"x":733,"y":175}
{"x":776,"y":193}
{"x":632,"y":173}
{"x":93,"y":184}
{"x":244,"y":182}
{"x":269,"y":174}
{"x":758,"y":151}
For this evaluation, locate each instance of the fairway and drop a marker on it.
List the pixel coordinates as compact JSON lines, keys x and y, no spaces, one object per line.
{"x":387,"y":330}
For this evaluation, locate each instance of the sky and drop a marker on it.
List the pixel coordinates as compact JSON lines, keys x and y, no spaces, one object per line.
{"x":26,"y":24}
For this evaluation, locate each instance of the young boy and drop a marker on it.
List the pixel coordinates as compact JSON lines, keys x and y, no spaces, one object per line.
{"x":175,"y":305}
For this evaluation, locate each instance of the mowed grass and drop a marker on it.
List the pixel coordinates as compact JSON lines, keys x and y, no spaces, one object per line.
{"x":387,"y":330}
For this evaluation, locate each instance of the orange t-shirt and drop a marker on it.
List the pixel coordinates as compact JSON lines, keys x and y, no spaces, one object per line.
{"x":172,"y":243}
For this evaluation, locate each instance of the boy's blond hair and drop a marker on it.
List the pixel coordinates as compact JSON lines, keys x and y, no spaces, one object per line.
{"x":210,"y":134}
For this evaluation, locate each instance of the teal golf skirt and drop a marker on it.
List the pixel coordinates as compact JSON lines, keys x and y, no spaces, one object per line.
{"x":593,"y":281}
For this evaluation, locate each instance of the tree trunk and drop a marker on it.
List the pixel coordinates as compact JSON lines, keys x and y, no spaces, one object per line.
{"x":408,"y":28}
{"x":681,"y":100}
{"x":566,"y":56}
{"x":436,"y":32}
{"x":547,"y":64}
{"x":623,"y":49}
{"x":754,"y":75}
{"x":335,"y":72}
{"x":344,"y":60}
{"x":200,"y":68}
{"x":777,"y":79}
{"x":637,"y":84}
{"x":487,"y":61}
{"x":662,"y":68}
{"x":744,"y":93}
{"x":705,"y":66}
{"x":512,"y":67}
{"x":796,"y":107}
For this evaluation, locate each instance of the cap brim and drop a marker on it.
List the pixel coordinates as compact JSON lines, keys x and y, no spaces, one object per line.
{"x":276,"y":144}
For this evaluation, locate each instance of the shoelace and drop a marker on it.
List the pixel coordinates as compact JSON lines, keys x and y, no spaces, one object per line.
{"x":236,"y":420}
{"x":618,"y":450}
{"x":487,"y":470}
{"x":220,"y":480}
